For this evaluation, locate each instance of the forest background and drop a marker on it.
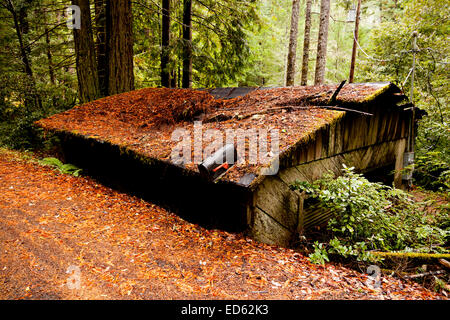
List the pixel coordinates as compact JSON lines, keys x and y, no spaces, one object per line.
{"x":47,"y":67}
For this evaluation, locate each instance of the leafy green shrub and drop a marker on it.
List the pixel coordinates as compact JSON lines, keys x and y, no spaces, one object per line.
{"x":19,"y":110}
{"x":432,"y":171}
{"x":63,"y":168}
{"x":320,"y":254}
{"x":371,"y":216}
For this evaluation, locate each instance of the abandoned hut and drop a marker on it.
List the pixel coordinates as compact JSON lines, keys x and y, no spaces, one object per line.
{"x":128,"y":141}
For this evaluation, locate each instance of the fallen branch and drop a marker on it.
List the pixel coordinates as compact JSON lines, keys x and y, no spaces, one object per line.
{"x":445,"y":263}
{"x":420,"y":275}
{"x":412,"y":255}
{"x":345,"y":109}
{"x":223,"y":117}
{"x":333,"y":97}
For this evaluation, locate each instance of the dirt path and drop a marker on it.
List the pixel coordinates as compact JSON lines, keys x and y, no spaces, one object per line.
{"x":125,"y":248}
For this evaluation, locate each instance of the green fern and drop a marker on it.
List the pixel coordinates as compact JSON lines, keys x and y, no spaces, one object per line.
{"x":63,"y":168}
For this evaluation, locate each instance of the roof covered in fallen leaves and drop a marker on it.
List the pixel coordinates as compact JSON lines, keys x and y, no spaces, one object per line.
{"x":144,"y":120}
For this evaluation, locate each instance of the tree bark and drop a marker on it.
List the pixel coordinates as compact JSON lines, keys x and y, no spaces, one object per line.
{"x":355,"y":40}
{"x":22,"y":27}
{"x":48,"y":49}
{"x":119,"y":27}
{"x":445,"y":263}
{"x":173,"y":78}
{"x":292,"y":52}
{"x":165,"y":41}
{"x":322,"y":42}
{"x":85,"y":55}
{"x":187,"y":44}
{"x":306,"y":40}
{"x":101,"y":46}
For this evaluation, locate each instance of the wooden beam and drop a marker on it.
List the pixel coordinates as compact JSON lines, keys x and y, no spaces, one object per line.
{"x":399,"y":151}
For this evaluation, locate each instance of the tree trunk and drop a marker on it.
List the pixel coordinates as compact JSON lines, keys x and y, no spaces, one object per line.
{"x":445,"y":263}
{"x":101,"y":46}
{"x":322,"y":42}
{"x":24,"y":49}
{"x":173,"y":78}
{"x":187,"y":44}
{"x":180,"y":75}
{"x":22,"y":27}
{"x":119,"y":27}
{"x":165,"y":53}
{"x":292,"y":52}
{"x":307,"y":36}
{"x":85,"y":55}
{"x":51,"y":72}
{"x":355,"y":40}
{"x":380,"y":3}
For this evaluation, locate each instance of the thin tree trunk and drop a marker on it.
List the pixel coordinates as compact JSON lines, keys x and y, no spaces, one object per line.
{"x":321,"y":60}
{"x":174,"y":5}
{"x":306,"y":40}
{"x":187,"y":44}
{"x":85,"y":55}
{"x":23,"y":49}
{"x":48,"y":48}
{"x":165,"y":72}
{"x":119,"y":27}
{"x":173,"y":78}
{"x":292,"y":52}
{"x":101,"y":46}
{"x":180,"y":75}
{"x":380,"y":3}
{"x":22,"y":27}
{"x":51,"y":72}
{"x":355,"y":40}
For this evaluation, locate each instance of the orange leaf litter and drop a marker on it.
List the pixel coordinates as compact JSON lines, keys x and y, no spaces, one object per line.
{"x":126,"y":248}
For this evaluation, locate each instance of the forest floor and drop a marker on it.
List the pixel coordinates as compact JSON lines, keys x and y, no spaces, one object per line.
{"x":65,"y":237}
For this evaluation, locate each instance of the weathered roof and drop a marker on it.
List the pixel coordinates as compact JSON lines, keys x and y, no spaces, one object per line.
{"x":143,"y":120}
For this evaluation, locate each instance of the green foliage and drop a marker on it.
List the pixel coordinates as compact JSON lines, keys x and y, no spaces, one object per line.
{"x":432,"y":171}
{"x":220,"y":44}
{"x":63,"y":168}
{"x":51,"y":87}
{"x":320,"y":254}
{"x":267,"y":61}
{"x":16,"y":122}
{"x":371,"y":216}
{"x":391,"y":41}
{"x":439,"y":285}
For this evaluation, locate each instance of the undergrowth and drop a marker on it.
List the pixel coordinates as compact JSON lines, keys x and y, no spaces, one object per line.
{"x":368,"y":216}
{"x":66,"y":168}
